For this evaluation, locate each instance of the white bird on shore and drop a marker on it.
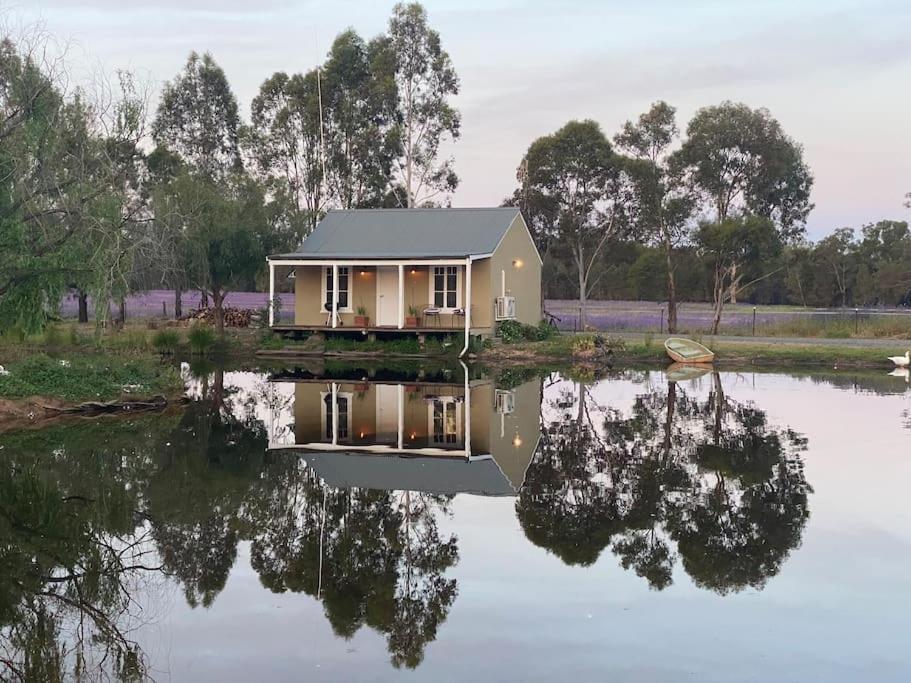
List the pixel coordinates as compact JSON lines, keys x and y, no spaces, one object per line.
{"x":901,"y":361}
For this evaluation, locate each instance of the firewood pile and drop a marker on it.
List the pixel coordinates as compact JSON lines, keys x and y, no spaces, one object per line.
{"x":234,"y":317}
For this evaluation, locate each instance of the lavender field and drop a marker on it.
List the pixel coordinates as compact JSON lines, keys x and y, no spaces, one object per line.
{"x":607,"y":316}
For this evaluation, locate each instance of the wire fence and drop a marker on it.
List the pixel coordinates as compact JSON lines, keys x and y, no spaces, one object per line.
{"x":603,"y":316}
{"x":736,"y":320}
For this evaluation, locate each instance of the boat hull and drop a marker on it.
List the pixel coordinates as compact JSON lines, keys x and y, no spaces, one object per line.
{"x":687,"y":351}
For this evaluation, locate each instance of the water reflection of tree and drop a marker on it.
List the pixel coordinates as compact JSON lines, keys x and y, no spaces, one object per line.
{"x":72,"y":545}
{"x":709,"y":480}
{"x":373,"y":558}
{"x":204,"y":471}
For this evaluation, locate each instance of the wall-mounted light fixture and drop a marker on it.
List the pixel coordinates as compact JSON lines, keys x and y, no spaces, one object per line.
{"x":516,"y":440}
{"x":517,"y":263}
{"x":413,"y":271}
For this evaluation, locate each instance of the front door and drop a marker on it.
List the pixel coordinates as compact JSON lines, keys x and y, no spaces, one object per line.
{"x":387,"y":296}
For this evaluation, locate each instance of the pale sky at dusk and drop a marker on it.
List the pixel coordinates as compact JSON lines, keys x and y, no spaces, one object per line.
{"x":836,"y":73}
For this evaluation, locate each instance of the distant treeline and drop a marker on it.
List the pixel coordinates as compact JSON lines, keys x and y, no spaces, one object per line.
{"x":869,"y":267}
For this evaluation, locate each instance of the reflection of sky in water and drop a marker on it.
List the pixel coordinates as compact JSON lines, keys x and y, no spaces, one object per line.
{"x":836,"y":609}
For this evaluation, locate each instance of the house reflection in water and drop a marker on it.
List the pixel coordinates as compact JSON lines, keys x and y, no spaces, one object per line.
{"x":435,"y":432}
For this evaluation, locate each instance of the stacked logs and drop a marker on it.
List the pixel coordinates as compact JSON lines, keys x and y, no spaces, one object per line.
{"x":234,"y":317}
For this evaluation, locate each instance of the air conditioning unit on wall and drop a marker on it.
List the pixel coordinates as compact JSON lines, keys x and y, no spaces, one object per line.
{"x":506,"y":308}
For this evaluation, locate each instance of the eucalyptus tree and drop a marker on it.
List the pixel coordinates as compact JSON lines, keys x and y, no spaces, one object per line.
{"x":425,"y":81}
{"x":741,"y":161}
{"x":198,"y":118}
{"x":733,"y":249}
{"x":665,"y":201}
{"x":360,"y":100}
{"x":586,"y":196}
{"x":284,"y":146}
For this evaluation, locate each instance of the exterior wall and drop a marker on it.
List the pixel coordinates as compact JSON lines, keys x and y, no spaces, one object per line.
{"x":308,"y":285}
{"x":482,"y":298}
{"x":524,"y":283}
{"x":308,"y":414}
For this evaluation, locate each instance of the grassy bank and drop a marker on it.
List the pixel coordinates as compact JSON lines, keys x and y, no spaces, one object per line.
{"x":88,"y":378}
{"x":135,"y":339}
{"x":578,"y":348}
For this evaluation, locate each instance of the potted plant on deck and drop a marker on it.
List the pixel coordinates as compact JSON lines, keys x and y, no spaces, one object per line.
{"x":361,"y":319}
{"x":413,"y":318}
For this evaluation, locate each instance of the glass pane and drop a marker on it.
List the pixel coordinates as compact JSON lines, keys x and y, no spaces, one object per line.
{"x":451,"y":299}
{"x":438,"y":298}
{"x":343,"y":299}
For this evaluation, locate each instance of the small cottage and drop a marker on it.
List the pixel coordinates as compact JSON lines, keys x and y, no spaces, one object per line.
{"x":412,"y":271}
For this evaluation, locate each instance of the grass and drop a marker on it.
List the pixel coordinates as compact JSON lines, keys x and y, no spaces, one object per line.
{"x":87,"y":377}
{"x":566,"y":348}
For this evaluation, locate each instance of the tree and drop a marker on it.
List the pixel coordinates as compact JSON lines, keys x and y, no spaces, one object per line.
{"x":734,"y":248}
{"x":835,"y":254}
{"x":425,"y":80}
{"x":225,"y":240}
{"x":585,"y":191}
{"x":741,"y":161}
{"x":284,"y":145}
{"x":198,"y":118}
{"x":361,"y":135}
{"x":665,"y":202}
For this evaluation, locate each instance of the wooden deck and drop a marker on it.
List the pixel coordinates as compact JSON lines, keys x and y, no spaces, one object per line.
{"x":350,"y":329}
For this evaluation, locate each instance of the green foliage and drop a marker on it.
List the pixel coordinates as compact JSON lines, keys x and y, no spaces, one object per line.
{"x":514,"y":332}
{"x":583,"y":344}
{"x":201,"y":339}
{"x":425,"y":80}
{"x":86,"y":378}
{"x":166,"y":340}
{"x":403,"y":345}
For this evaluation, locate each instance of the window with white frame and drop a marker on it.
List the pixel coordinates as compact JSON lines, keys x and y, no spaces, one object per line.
{"x":445,"y":287}
{"x":445,"y":422}
{"x":344,"y":294}
{"x":343,"y":424}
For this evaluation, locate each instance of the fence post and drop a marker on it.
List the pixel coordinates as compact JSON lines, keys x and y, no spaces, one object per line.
{"x":856,"y":320}
{"x":754,"y":321}
{"x":661,"y":325}
{"x":164,"y":309}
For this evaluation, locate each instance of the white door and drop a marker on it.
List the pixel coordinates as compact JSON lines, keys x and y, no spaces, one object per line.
{"x":387,"y":296}
{"x":387,"y":413}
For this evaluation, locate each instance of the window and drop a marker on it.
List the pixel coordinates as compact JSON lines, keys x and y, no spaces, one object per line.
{"x":445,"y":286}
{"x":445,"y":422}
{"x":343,"y":289}
{"x":343,"y":401}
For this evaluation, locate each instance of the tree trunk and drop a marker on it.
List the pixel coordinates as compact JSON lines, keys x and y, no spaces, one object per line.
{"x":671,"y":287}
{"x":203,"y":299}
{"x":583,"y":295}
{"x":734,"y":284}
{"x":178,"y":307}
{"x":121,"y":312}
{"x":719,"y":302}
{"x":83,"y":299}
{"x":218,"y":300}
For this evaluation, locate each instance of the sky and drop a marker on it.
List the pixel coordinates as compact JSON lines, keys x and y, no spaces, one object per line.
{"x":835,"y":73}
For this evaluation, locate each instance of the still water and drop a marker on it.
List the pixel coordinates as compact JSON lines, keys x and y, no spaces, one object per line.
{"x":343,"y":523}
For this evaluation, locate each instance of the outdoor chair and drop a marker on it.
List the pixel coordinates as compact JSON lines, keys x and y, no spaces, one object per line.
{"x":328,"y":307}
{"x":431,"y":312}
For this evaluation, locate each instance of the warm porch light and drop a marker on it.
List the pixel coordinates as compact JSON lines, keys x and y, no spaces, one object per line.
{"x":413,"y":271}
{"x":516,"y":440}
{"x":517,"y":263}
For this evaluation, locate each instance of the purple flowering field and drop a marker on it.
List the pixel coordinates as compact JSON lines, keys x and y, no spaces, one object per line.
{"x":633,"y":316}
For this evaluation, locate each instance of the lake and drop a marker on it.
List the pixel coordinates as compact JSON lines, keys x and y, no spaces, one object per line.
{"x":335,"y":522}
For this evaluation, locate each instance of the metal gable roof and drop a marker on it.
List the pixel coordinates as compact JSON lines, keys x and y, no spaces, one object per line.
{"x":406,"y":233}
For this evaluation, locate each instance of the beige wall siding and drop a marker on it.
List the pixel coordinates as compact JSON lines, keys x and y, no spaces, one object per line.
{"x":307,"y":293}
{"x":523,"y":282}
{"x":482,"y":300}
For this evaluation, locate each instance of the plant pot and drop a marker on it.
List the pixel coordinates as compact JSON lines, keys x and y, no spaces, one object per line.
{"x":362,"y":321}
{"x":411,"y":321}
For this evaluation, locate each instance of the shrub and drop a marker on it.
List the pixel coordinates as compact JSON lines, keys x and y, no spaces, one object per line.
{"x":201,"y":339}
{"x":582,"y":344}
{"x":166,"y":341}
{"x":52,"y":337}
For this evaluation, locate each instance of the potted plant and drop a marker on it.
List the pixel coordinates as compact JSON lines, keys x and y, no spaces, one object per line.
{"x":413,"y":318}
{"x":361,"y":319}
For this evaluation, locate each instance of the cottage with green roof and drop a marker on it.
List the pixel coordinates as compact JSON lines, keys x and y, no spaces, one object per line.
{"x":397,"y":271}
